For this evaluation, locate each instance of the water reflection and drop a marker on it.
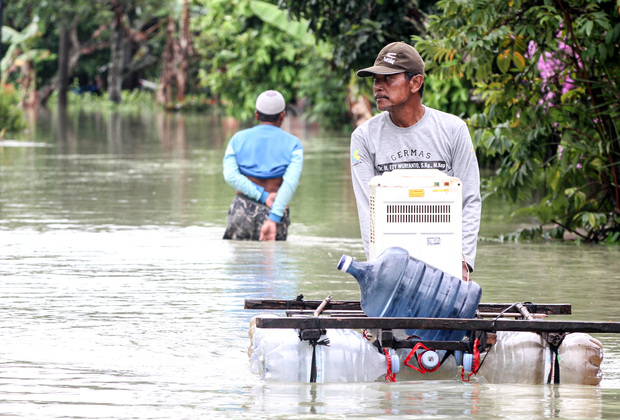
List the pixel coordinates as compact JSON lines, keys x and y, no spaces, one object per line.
{"x":437,"y":399}
{"x":121,"y":300}
{"x":172,"y":130}
{"x":65,"y":135}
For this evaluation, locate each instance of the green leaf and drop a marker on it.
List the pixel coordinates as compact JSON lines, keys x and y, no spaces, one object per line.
{"x":271,"y":14}
{"x":588,"y":27}
{"x":518,"y":60}
{"x":503,"y":61}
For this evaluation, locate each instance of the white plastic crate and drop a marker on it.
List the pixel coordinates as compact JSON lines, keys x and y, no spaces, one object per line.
{"x":419,"y":210}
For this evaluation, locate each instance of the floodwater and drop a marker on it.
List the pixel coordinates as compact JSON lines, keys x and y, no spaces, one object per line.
{"x":120,"y":300}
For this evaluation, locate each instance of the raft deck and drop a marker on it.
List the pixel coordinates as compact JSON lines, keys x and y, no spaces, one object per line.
{"x":490,"y":318}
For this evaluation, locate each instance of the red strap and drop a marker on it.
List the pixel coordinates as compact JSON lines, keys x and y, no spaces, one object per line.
{"x":475,"y":363}
{"x":389,"y":376}
{"x":412,"y":353}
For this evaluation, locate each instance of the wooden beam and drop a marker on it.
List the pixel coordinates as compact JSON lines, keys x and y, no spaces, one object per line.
{"x":284,"y":304}
{"x":353,"y":305}
{"x":439,"y":324}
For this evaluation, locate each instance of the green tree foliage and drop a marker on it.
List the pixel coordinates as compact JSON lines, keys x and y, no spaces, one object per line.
{"x":20,"y":49}
{"x":90,"y":25}
{"x":358,"y":29}
{"x":87,"y":15}
{"x":246,"y":48}
{"x":11,"y":118}
{"x":549,"y":75}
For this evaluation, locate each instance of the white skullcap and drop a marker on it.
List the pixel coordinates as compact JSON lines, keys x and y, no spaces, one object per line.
{"x":270,"y":102}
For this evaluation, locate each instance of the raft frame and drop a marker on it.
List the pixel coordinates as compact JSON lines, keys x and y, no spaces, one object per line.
{"x":349,"y":315}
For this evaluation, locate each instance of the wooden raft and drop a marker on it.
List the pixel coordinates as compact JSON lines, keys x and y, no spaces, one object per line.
{"x":491,"y":317}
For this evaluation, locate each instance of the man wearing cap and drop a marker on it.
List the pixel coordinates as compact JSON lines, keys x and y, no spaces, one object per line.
{"x":411,"y":135}
{"x":263,"y":164}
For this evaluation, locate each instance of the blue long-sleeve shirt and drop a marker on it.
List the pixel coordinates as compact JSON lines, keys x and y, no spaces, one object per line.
{"x":264,"y":152}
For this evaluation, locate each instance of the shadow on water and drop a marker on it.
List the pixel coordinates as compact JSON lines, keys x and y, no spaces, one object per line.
{"x":121,"y":300}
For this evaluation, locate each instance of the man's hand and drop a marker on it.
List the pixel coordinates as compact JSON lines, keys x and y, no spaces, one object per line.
{"x":270,"y":199}
{"x":268,"y":231}
{"x":466,"y":272}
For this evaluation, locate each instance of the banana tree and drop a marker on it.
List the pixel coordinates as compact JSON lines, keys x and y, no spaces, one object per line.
{"x":18,"y":59}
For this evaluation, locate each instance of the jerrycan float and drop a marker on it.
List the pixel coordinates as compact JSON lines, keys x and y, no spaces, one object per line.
{"x":396,"y":284}
{"x":341,"y":355}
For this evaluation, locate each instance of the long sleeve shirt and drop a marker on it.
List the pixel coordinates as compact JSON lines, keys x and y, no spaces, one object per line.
{"x":264,"y":152}
{"x":439,"y":140}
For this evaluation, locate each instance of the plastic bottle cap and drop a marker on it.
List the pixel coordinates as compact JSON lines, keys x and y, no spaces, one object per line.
{"x":429,"y":359}
{"x":345,"y":262}
{"x":468,"y":361}
{"x":395,"y":361}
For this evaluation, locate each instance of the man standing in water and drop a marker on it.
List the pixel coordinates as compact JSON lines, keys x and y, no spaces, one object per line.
{"x":411,"y":135}
{"x":263,"y":164}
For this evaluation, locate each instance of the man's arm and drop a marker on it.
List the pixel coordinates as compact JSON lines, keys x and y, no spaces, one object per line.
{"x":362,"y":171}
{"x":237,"y":180}
{"x":290,"y":180}
{"x":465,"y":167}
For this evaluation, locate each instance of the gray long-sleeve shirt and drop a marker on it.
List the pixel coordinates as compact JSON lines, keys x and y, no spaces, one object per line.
{"x":439,"y":141}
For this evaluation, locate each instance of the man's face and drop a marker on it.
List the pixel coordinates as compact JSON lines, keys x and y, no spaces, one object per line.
{"x":391,"y":90}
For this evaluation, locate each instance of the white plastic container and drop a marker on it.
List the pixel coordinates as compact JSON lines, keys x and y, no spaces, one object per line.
{"x":525,"y":357}
{"x":517,"y":357}
{"x":279,"y":355}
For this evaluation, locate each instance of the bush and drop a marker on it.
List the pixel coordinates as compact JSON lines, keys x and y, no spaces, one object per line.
{"x":11,"y":118}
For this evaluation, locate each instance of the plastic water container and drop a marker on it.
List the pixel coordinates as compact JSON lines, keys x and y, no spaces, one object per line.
{"x":279,"y":355}
{"x":396,"y":284}
{"x":523,"y":357}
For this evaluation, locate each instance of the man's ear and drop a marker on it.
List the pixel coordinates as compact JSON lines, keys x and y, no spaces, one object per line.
{"x":416,"y":82}
{"x":256,"y":115}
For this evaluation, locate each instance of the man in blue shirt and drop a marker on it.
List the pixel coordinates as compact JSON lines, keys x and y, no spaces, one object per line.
{"x":263,"y":164}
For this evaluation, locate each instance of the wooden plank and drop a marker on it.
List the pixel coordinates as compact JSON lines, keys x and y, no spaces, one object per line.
{"x":353,"y":305}
{"x":439,"y":324}
{"x":283,"y":304}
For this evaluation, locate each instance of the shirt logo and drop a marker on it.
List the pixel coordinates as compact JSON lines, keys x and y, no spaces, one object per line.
{"x":390,"y":58}
{"x":355,"y":157}
{"x":435,"y":164}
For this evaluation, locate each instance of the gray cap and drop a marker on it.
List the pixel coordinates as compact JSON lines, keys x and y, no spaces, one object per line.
{"x":270,"y":102}
{"x":394,"y":58}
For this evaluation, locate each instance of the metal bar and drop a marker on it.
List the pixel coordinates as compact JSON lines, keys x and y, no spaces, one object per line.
{"x":524,"y":311}
{"x":329,"y":312}
{"x":341,"y":313}
{"x":283,"y":304}
{"x":318,"y":310}
{"x":498,"y":314}
{"x":435,"y":345}
{"x":439,"y":324}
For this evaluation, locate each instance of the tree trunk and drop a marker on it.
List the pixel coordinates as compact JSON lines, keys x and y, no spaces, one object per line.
{"x":358,"y":106}
{"x":115,"y":69}
{"x":63,"y":66}
{"x":1,"y":24}
{"x":164,"y":94}
{"x":75,"y":52}
{"x":175,"y":59}
{"x":183,"y":52}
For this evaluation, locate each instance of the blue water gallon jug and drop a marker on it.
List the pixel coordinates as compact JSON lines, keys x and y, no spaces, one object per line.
{"x":396,"y":284}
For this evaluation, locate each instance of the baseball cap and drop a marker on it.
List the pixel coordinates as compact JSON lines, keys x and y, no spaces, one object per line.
{"x":270,"y":102}
{"x":394,"y":58}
